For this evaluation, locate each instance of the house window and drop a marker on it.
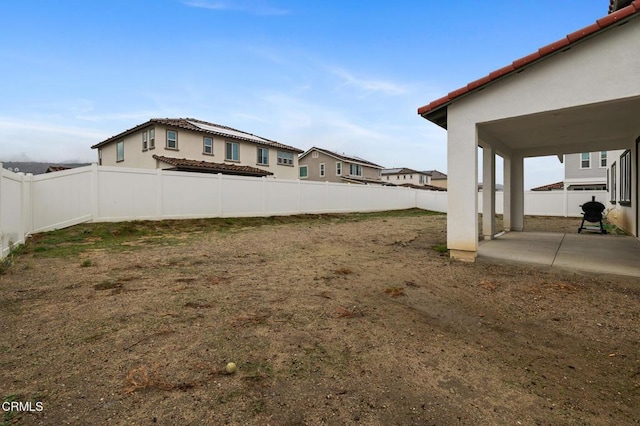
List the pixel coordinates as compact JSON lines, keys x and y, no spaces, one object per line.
{"x":355,"y":169}
{"x":145,"y":141}
{"x":100,"y":157}
{"x":613,"y":185}
{"x":172,"y":139}
{"x":263,"y":156}
{"x":625,"y":178}
{"x":314,"y":154}
{"x":339,"y":168}
{"x":603,"y":159}
{"x":421,"y":180}
{"x":285,"y":158}
{"x":152,"y":138}
{"x":304,"y":172}
{"x":120,"y":151}
{"x":207,"y":146}
{"x":585,"y":160}
{"x":387,"y":177}
{"x":232,"y":151}
{"x":322,"y":169}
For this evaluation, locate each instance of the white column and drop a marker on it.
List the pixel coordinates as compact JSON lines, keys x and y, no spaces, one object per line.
{"x":462,"y":189}
{"x":506,"y":193}
{"x":516,"y":191}
{"x":488,"y":192}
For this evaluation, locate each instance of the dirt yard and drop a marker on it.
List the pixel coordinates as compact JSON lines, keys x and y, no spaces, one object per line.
{"x":331,"y":320}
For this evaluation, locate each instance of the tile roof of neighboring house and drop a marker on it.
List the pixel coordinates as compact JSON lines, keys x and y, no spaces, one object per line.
{"x":550,"y":187}
{"x":342,"y":157}
{"x":360,"y":180}
{"x":424,"y":187}
{"x":435,"y":175}
{"x":401,"y":171}
{"x":202,"y":127}
{"x":37,"y":168}
{"x":184,"y":164}
{"x":436,"y":110}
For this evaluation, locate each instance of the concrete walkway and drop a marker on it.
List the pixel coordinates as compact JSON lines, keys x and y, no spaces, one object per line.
{"x":590,"y":252}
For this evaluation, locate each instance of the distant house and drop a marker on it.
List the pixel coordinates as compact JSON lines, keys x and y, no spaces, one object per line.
{"x":38,"y":168}
{"x":194,"y":145}
{"x":585,"y":171}
{"x":437,"y":178}
{"x":404,"y":175}
{"x":327,"y":166}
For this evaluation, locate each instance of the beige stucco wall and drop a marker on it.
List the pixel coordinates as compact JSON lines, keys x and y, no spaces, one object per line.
{"x":313,"y":168}
{"x":404,"y":178}
{"x":190,"y":146}
{"x":624,"y":217}
{"x":440,"y":183}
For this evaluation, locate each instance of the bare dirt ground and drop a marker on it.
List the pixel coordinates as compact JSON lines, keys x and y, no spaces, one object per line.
{"x":329,"y":321}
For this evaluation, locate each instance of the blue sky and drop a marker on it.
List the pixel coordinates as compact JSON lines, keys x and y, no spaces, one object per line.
{"x":343,"y":75}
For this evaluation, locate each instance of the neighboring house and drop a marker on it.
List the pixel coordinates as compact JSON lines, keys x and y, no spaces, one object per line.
{"x":578,"y":94}
{"x":437,"y":178}
{"x":38,"y":168}
{"x":585,"y":171}
{"x":405,"y":176}
{"x":327,"y":166}
{"x":196,"y":145}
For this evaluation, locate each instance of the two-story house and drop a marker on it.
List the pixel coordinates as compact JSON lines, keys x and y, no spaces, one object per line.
{"x":187,"y":144}
{"x":327,"y":166}
{"x":405,"y":176}
{"x":582,"y":172}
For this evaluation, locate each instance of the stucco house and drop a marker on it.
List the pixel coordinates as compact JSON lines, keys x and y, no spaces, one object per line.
{"x":400,"y":176}
{"x":189,"y":144}
{"x":586,"y":171}
{"x":578,"y":94}
{"x":327,"y":166}
{"x":437,"y":178}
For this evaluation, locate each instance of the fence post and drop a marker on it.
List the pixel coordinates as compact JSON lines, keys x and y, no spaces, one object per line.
{"x":264,"y":196}
{"x":22,"y":230}
{"x":566,"y":201}
{"x":159,"y":195}
{"x":220,"y":209}
{"x":1,"y":235}
{"x":95,"y":198}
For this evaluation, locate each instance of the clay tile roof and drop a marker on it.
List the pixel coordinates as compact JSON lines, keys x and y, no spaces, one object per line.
{"x":201,"y":126}
{"x":551,"y":186}
{"x":619,"y":11}
{"x":210,"y":167}
{"x":400,"y":171}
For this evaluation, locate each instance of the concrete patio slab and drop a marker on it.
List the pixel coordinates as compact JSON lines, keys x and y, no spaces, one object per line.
{"x":589,"y":252}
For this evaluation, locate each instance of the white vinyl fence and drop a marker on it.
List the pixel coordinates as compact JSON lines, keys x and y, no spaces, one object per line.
{"x":30,"y":204}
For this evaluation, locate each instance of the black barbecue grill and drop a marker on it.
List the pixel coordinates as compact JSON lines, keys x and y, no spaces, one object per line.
{"x":592,"y":212}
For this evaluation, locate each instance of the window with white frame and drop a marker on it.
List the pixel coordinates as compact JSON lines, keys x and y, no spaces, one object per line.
{"x":585,"y":160}
{"x":304,"y":172}
{"x":314,"y":154}
{"x":263,"y":156}
{"x":285,"y":158}
{"x":421,"y":180}
{"x":339,"y":168}
{"x":232,"y":151}
{"x":322,"y":169}
{"x":172,"y":139}
{"x":613,"y":183}
{"x":207,"y":145}
{"x":152,"y":138}
{"x":625,"y":178}
{"x":603,"y":159}
{"x":145,"y":140}
{"x":355,"y":169}
{"x":120,"y":151}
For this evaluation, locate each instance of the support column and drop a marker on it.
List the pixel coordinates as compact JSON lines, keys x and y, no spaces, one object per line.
{"x":488,"y":192}
{"x":462,"y":190}
{"x":514,"y":193}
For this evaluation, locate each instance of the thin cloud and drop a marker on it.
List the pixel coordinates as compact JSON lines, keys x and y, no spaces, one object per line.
{"x":254,"y":7}
{"x":369,"y":85}
{"x":7,"y":124}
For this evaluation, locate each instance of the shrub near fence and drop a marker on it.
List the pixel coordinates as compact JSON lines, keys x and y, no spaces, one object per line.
{"x":30,"y":204}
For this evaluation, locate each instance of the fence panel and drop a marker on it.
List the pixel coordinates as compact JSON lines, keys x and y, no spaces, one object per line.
{"x":11,"y":210}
